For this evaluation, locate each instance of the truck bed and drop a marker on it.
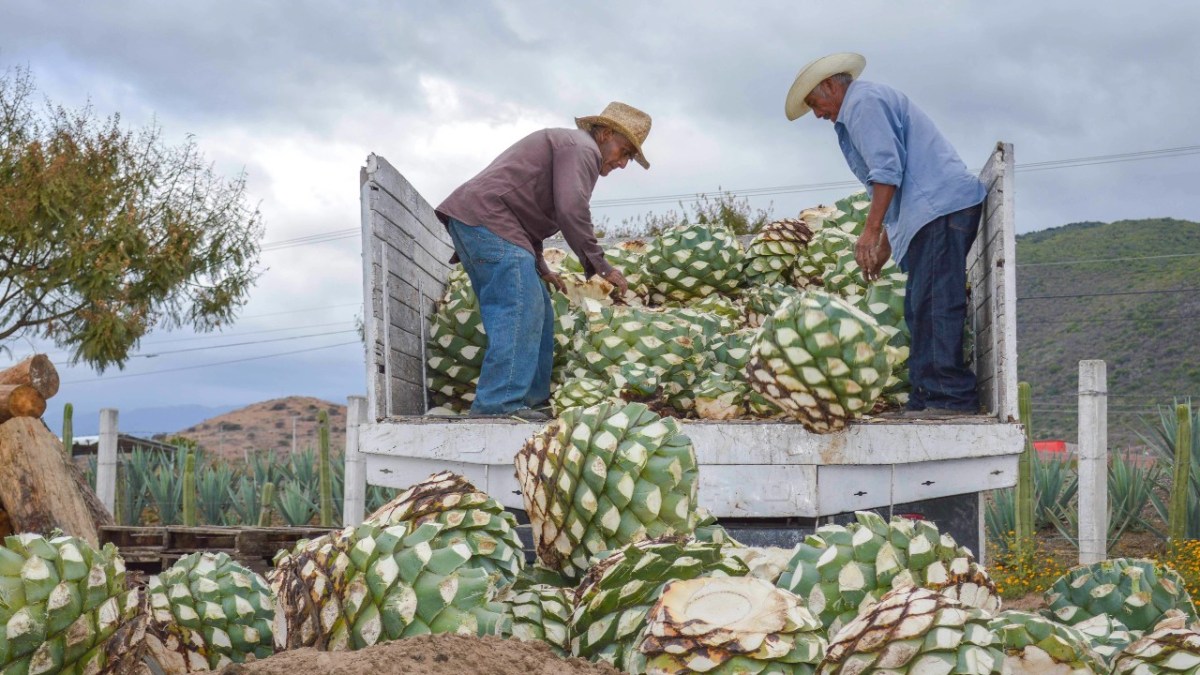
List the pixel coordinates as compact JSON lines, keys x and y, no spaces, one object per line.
{"x":751,"y":471}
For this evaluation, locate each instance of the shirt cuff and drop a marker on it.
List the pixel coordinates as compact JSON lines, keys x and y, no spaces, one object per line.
{"x":600,"y":267}
{"x":884,"y":177}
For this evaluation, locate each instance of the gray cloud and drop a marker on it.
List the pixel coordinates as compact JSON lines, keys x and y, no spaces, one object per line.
{"x":300,"y":92}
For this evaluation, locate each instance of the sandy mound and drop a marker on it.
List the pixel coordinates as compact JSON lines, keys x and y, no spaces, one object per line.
{"x":427,"y":655}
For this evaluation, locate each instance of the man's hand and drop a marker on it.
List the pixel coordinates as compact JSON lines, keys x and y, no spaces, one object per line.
{"x":555,"y":281}
{"x":873,"y":248}
{"x":872,"y":251}
{"x":617,"y":279}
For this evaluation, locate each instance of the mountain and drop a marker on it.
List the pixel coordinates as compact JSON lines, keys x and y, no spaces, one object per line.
{"x":138,"y":422}
{"x":269,"y":425}
{"x":1136,"y":305}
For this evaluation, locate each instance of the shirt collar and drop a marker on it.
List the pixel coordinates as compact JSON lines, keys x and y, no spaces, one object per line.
{"x":848,"y":101}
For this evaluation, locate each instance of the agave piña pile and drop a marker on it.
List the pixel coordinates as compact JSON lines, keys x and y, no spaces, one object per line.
{"x":868,"y":597}
{"x":692,"y":286}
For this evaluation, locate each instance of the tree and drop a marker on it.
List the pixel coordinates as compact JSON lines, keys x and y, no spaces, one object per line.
{"x":107,"y":233}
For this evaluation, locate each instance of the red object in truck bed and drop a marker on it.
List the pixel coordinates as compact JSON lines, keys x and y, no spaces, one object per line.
{"x":1050,"y":446}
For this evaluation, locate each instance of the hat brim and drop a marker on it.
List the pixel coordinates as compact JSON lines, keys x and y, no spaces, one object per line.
{"x":586,"y":123}
{"x":814,"y":73}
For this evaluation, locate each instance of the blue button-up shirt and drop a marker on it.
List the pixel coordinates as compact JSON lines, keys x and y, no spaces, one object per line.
{"x":887,"y":139}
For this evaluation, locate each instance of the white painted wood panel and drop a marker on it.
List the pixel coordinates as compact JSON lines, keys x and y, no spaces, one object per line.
{"x":929,"y":480}
{"x":842,"y":489}
{"x":497,"y":441}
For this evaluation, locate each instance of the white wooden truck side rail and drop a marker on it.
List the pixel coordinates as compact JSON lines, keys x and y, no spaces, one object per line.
{"x":993,"y":306}
{"x":774,"y":443}
{"x":406,"y":253}
{"x":763,"y":469}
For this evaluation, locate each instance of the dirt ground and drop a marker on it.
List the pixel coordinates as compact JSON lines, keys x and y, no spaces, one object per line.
{"x":1031,"y":602}
{"x":427,"y":655}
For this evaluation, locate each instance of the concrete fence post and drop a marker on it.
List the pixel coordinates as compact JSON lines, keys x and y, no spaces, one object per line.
{"x":354,"y":501}
{"x":106,"y":460}
{"x":1093,"y":462}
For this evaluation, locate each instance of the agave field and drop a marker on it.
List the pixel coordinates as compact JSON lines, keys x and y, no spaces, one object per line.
{"x":628,"y":571}
{"x":186,"y":487}
{"x":1140,"y":495}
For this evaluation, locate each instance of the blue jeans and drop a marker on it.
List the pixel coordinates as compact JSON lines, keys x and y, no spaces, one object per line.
{"x":517,"y":316}
{"x":935,"y":308}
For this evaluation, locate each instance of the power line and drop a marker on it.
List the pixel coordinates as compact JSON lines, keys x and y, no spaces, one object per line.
{"x":240,"y":344}
{"x":319,"y":238}
{"x":1093,"y":295}
{"x":1084,"y":261}
{"x":302,"y":309}
{"x":1111,"y":410}
{"x":1181,"y":151}
{"x":248,"y":332}
{"x":1143,"y":396}
{"x":814,"y":187}
{"x":1034,"y":322}
{"x":106,"y":378}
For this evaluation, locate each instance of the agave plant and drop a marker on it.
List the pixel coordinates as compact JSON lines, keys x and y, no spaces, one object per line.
{"x":164,"y":480}
{"x":295,"y":504}
{"x":1054,"y":482}
{"x":302,"y":467}
{"x":265,"y":468}
{"x":245,"y":501}
{"x":132,"y":496}
{"x":212,"y":485}
{"x":377,"y":496}
{"x":1130,"y":491}
{"x":1000,"y":517}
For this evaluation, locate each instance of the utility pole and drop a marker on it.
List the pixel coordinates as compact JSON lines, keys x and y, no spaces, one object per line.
{"x":294,"y":418}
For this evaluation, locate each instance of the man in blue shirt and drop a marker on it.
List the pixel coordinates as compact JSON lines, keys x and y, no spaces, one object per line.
{"x":925,"y":208}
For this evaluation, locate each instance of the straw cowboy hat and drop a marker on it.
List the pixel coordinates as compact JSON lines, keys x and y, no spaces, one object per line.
{"x":814,"y":73}
{"x":624,"y":119}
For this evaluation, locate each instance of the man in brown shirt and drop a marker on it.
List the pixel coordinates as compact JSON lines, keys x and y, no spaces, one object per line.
{"x":498,"y":220}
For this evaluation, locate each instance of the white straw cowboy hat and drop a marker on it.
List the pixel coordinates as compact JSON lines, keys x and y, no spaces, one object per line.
{"x":625,"y":120}
{"x":814,"y":73}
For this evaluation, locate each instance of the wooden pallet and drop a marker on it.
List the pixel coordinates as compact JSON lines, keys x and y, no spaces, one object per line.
{"x":153,"y":549}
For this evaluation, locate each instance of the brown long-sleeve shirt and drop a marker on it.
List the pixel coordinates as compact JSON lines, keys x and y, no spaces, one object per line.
{"x":539,"y":186}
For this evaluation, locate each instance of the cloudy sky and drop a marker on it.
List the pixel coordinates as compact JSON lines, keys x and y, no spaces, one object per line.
{"x":299,"y":93}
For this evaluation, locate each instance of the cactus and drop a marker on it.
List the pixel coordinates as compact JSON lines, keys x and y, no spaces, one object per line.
{"x":326,"y":473}
{"x":68,"y":430}
{"x":189,"y":490}
{"x":264,"y":513}
{"x":1024,"y":489}
{"x":1178,"y":524}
